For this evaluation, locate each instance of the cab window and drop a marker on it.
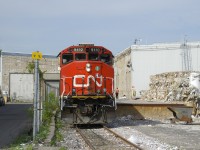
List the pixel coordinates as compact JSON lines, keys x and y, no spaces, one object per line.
{"x":105,"y":58}
{"x":93,"y":56}
{"x":66,"y":58}
{"x":80,"y":56}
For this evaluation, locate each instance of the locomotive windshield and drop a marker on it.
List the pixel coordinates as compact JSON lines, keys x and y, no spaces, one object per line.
{"x":93,"y":56}
{"x":105,"y":58}
{"x":66,"y":58}
{"x":88,"y":53}
{"x":80,"y":56}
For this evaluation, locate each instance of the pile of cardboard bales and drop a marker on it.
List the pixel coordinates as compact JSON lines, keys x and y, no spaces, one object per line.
{"x":171,"y":86}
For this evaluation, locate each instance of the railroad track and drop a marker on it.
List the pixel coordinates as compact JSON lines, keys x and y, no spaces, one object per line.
{"x":105,"y":138}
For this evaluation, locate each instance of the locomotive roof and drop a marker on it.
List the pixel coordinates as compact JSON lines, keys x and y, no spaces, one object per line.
{"x":83,"y":46}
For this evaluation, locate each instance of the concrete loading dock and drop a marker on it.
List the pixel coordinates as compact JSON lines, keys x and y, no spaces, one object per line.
{"x":140,"y":109}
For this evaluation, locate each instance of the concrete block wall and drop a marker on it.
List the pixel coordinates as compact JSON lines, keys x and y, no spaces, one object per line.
{"x":123,"y":73}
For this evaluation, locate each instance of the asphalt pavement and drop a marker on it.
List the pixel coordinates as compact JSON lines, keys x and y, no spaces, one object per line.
{"x":14,"y":120}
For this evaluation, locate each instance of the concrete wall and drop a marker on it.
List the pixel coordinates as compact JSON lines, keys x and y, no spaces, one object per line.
{"x":50,"y":84}
{"x":123,"y":73}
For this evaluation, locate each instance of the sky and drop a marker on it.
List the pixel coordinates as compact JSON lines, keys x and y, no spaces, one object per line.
{"x":50,"y":26}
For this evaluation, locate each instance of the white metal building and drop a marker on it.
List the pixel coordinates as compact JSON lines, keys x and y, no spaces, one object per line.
{"x":135,"y":65}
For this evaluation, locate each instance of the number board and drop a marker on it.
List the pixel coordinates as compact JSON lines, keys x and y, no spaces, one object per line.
{"x":94,"y":49}
{"x":78,"y":49}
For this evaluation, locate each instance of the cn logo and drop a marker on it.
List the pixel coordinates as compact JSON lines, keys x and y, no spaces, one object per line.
{"x":87,"y":83}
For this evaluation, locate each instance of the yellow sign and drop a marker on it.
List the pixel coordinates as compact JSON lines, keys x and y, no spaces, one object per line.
{"x":37,"y":55}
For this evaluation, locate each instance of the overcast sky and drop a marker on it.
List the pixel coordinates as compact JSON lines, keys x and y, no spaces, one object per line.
{"x":50,"y":26}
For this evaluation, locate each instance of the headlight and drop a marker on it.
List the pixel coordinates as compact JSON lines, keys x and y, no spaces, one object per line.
{"x":88,"y":67}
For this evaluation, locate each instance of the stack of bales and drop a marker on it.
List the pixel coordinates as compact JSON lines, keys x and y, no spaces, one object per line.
{"x":171,"y":86}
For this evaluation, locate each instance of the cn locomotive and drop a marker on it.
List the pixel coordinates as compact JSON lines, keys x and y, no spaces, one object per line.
{"x":86,"y":84}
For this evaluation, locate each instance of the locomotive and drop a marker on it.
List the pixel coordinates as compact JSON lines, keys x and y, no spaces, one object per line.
{"x":86,"y":84}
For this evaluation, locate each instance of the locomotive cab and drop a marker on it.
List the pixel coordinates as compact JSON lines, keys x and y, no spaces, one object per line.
{"x":86,"y":84}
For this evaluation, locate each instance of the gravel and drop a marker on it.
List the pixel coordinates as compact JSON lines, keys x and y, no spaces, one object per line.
{"x":159,"y":135}
{"x":71,"y":139}
{"x":148,"y":134}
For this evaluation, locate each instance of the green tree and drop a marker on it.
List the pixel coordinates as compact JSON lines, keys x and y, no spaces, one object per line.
{"x":31,"y":67}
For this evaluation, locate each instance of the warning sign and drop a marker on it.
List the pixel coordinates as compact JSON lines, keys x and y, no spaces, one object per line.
{"x":37,"y":55}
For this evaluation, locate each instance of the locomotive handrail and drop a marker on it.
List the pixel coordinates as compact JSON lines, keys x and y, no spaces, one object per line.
{"x":63,"y":91}
{"x":114,"y":102}
{"x":64,"y":85}
{"x":112,"y":82}
{"x":61,"y":100}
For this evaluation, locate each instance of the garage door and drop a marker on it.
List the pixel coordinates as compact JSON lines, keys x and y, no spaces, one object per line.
{"x":21,"y":87}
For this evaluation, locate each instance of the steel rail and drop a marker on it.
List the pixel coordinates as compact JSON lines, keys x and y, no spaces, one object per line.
{"x":85,"y":139}
{"x":122,"y":138}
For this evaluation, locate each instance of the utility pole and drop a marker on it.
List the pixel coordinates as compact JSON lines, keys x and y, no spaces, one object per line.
{"x":36,"y":123}
{"x":137,"y":40}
